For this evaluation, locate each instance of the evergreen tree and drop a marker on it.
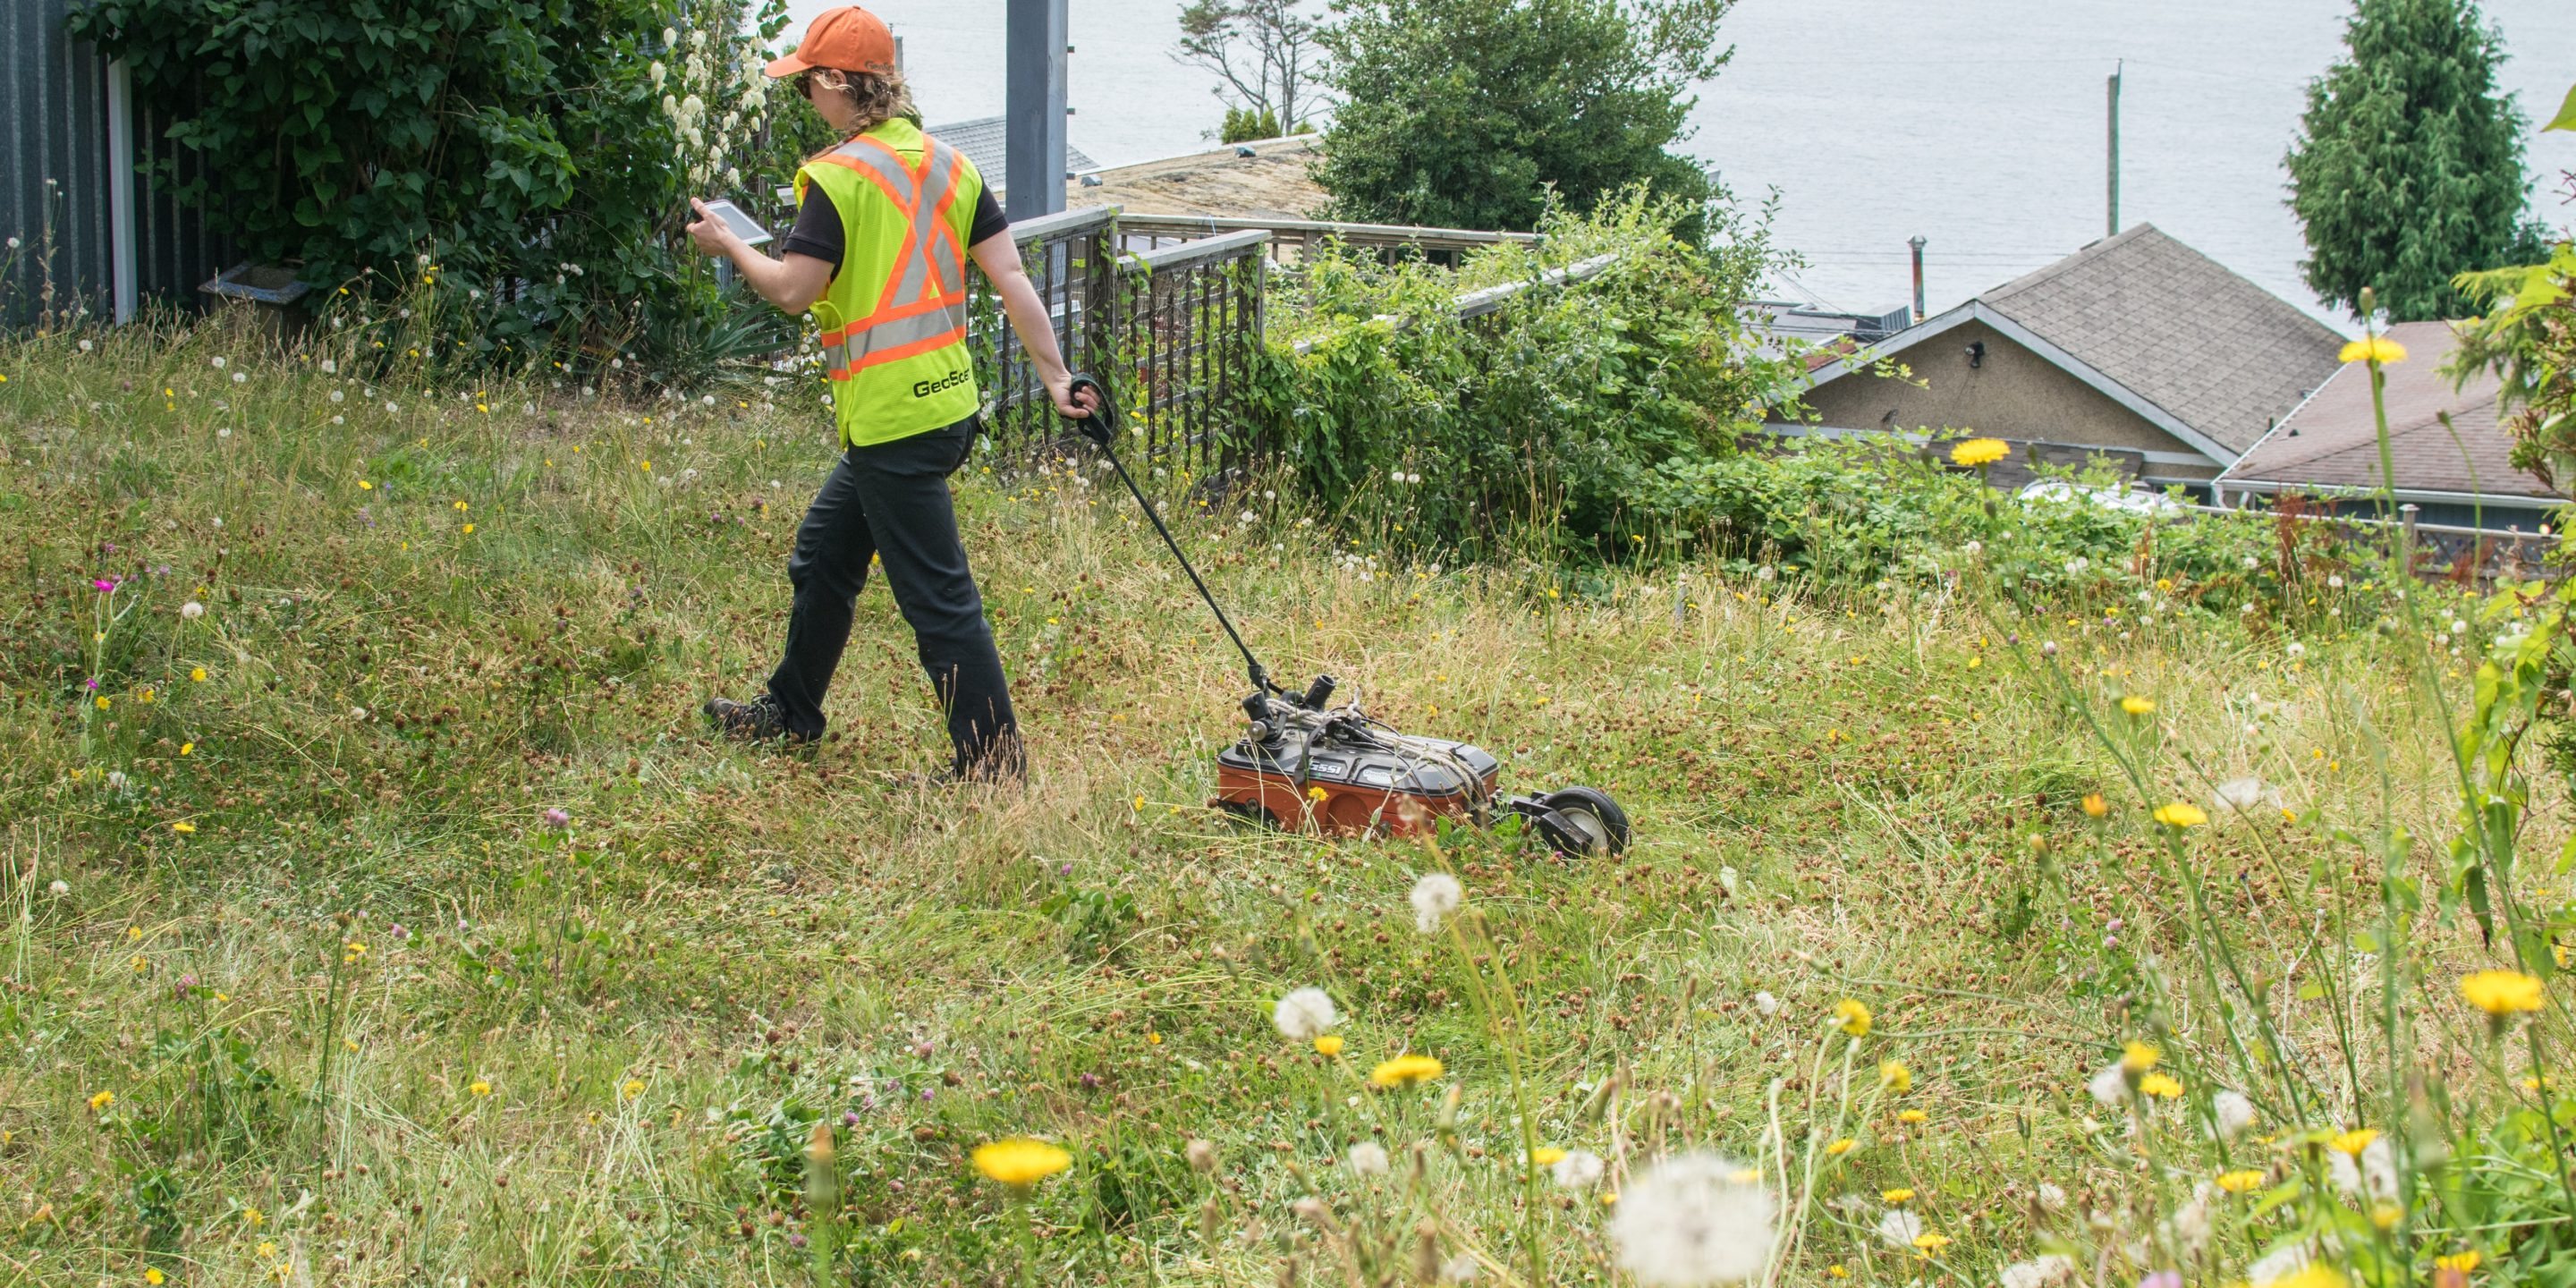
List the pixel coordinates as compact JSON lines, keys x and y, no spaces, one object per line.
{"x":1459,"y":113}
{"x":2408,"y":167}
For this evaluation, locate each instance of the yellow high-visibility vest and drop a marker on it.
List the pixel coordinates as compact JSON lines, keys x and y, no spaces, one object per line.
{"x":894,"y":319}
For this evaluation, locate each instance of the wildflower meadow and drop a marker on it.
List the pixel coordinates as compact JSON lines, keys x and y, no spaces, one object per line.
{"x":2117,"y":912}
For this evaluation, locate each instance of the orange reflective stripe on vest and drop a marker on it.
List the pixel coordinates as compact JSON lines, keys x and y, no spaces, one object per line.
{"x":923,"y":303}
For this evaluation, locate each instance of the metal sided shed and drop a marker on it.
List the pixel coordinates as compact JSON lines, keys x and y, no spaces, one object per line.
{"x":95,"y":235}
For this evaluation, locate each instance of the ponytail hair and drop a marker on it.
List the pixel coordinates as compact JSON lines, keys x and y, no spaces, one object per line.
{"x":875,"y":97}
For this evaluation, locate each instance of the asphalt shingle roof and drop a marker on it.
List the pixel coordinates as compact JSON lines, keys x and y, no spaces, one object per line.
{"x":2333,"y":439}
{"x":2176,"y":328}
{"x":981,"y":140}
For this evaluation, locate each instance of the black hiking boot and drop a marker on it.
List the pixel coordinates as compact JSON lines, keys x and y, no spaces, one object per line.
{"x":758,"y":720}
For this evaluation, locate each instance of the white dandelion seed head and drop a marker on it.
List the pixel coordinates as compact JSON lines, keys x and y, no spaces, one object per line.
{"x":1900,"y":1228}
{"x":2188,"y":1228}
{"x":1765,"y":573}
{"x":391,"y":408}
{"x":1435,"y":896}
{"x":1304,"y":1015}
{"x":1688,"y":1221}
{"x":1766,"y":1003}
{"x":1458,"y":1269}
{"x":240,"y":376}
{"x":58,"y":888}
{"x":2245,"y":795}
{"x":1368,"y":1158}
{"x":2296,"y":648}
{"x":1580,"y":1169}
{"x":336,"y":395}
{"x":2233,"y":1111}
{"x":2046,"y":1271}
{"x":2335,"y":582}
{"x":218,"y":363}
{"x":2250,"y":563}
{"x":2110,"y":1087}
{"x":2051,"y":1197}
{"x":192,"y":610}
{"x":2279,"y":1264}
{"x":2077,"y":566}
{"x":1973,"y":549}
{"x":357,"y":713}
{"x":2458,"y":627}
{"x":2374,"y":1177}
{"x":86,"y":346}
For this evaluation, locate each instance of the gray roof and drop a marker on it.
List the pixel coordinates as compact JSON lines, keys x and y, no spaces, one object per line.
{"x":2332,"y":440}
{"x":2174,"y":327}
{"x":981,"y":141}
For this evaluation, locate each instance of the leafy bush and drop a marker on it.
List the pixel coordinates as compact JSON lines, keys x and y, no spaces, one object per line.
{"x":1469,"y":113}
{"x":1544,"y":417}
{"x":533,"y":160}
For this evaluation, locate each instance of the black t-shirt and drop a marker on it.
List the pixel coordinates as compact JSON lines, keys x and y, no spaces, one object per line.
{"x":818,"y":225}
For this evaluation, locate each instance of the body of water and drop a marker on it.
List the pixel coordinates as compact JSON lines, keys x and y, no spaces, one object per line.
{"x":1976,"y":124}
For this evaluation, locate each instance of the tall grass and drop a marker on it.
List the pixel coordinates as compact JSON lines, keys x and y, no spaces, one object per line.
{"x":374,"y":1016}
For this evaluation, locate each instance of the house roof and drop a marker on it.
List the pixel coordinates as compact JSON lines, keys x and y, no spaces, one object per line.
{"x":2161,"y":328}
{"x":1272,"y":183}
{"x":2332,"y":439}
{"x":982,"y":142}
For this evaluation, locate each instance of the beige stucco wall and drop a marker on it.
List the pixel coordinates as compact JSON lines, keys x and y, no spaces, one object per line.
{"x":2015,"y":394}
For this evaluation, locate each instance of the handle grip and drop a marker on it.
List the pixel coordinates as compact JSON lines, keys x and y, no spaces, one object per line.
{"x":1098,"y":426}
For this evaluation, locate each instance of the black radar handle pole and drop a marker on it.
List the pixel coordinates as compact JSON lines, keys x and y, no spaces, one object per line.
{"x":1101,"y":427}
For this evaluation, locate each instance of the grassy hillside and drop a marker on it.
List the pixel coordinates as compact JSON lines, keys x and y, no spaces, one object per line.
{"x":308,"y":987}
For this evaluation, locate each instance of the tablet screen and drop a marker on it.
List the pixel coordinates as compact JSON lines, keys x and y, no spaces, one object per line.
{"x":742,"y":225}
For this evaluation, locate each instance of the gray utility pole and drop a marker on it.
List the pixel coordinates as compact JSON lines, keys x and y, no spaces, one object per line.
{"x":2116,"y":69}
{"x":1034,"y":109}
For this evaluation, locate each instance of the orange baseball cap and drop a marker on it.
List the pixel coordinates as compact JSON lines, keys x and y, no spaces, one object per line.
{"x":846,"y":39}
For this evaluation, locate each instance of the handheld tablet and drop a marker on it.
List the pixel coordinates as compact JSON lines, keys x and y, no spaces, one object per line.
{"x":743,"y":225}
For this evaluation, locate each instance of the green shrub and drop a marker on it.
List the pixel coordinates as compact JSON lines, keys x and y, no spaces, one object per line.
{"x":535,"y":161}
{"x":1544,"y":418}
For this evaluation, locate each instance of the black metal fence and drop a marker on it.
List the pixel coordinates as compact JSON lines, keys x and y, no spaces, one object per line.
{"x":77,"y":240}
{"x":1173,"y":332}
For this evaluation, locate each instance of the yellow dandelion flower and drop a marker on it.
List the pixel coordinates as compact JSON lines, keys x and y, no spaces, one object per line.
{"x":187,"y":748}
{"x":2138,"y":706}
{"x":1912,"y":1116}
{"x":1405,"y":1071}
{"x":2180,"y":814}
{"x":1893,"y":1075}
{"x":183,"y":827}
{"x":103,"y":702}
{"x":1547,"y":1156}
{"x":2377,"y":348}
{"x":1852,"y":1017}
{"x":479,"y":1087}
{"x":1836,"y":1271}
{"x":2464,"y":1262}
{"x":2095,"y":806}
{"x":133,"y":933}
{"x":1329,"y":1044}
{"x":267,"y":1249}
{"x":634,"y":1087}
{"x":1314,"y":793}
{"x":1930,"y":1242}
{"x":2240,"y":1181}
{"x":469,"y":529}
{"x":1840,"y":1147}
{"x":101,"y":1101}
{"x":197,"y":673}
{"x":2502,"y":992}
{"x":152,"y":1275}
{"x":254,"y":1218}
{"x":1980,"y":451}
{"x":2163,"y":1086}
{"x":648,"y":467}
{"x":1897,"y":1196}
{"x":365,"y":486}
{"x":1020,"y":1162}
{"x":2354,"y":1141}
{"x":2138,"y":1057}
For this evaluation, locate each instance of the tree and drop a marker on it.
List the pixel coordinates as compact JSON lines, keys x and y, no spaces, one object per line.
{"x":2408,"y":167}
{"x":1264,"y":52}
{"x":1459,"y":113}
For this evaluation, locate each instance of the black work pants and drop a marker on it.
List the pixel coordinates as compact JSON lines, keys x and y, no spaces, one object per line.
{"x":890,"y":500}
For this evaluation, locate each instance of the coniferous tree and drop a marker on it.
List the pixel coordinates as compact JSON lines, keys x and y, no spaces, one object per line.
{"x":2408,"y":166}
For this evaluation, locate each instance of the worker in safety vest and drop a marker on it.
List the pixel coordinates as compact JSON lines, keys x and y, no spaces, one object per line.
{"x":885,"y":223}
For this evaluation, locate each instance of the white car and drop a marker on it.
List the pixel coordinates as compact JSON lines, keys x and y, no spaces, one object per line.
{"x":2136,"y":500}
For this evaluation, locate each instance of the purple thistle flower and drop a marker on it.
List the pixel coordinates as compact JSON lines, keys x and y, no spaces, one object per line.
{"x":107,"y":584}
